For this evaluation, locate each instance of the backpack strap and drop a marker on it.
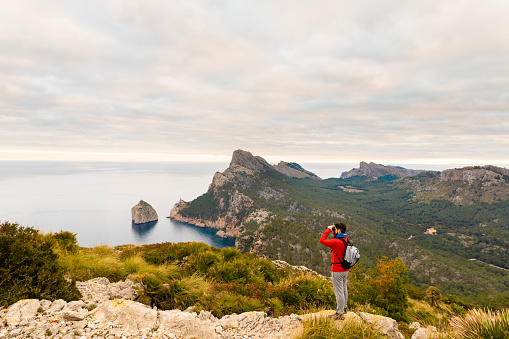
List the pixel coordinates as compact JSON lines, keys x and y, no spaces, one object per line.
{"x":346,"y":244}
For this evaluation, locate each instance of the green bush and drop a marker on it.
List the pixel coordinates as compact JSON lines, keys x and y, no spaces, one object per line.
{"x":29,"y":267}
{"x":305,"y":292}
{"x":383,"y":287}
{"x":415,"y":293}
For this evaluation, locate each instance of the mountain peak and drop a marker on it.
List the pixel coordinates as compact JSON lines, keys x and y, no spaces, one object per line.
{"x":376,"y":170}
{"x":249,"y":161}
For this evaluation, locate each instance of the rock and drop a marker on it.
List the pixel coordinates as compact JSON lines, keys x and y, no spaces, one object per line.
{"x":22,"y":310}
{"x":134,"y":317}
{"x":143,"y":213}
{"x":185,"y":324}
{"x":425,"y":333}
{"x":57,"y":306}
{"x":294,"y":170}
{"x":247,"y":160}
{"x":375,"y":171}
{"x":414,"y":325}
{"x":387,"y":326}
{"x":100,"y":290}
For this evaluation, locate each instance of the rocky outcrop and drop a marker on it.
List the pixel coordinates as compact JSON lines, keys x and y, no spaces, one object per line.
{"x":143,"y":213}
{"x":122,"y":318}
{"x":376,"y":171}
{"x":294,"y":170}
{"x":470,"y":175}
{"x":247,"y":160}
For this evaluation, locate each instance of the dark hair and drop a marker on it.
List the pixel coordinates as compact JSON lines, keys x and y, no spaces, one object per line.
{"x":341,"y":226}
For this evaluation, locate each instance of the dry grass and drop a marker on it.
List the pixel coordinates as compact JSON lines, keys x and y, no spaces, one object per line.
{"x":480,"y":324}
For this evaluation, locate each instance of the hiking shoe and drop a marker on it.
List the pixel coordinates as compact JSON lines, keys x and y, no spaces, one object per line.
{"x":337,"y":316}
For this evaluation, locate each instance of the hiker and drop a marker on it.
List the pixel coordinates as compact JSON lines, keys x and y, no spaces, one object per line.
{"x":339,"y":274}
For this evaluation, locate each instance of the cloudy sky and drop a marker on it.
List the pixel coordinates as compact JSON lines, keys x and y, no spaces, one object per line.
{"x":309,"y":81}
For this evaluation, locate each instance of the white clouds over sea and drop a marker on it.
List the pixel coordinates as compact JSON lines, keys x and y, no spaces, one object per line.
{"x":422,"y":82}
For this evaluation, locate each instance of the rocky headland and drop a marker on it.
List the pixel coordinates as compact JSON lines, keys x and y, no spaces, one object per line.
{"x":143,"y":213}
{"x":241,"y":174}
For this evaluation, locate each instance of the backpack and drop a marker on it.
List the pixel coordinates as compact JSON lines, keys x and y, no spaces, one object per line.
{"x":352,"y":255}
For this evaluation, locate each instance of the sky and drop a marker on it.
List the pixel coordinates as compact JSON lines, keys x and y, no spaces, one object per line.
{"x":394,"y":82}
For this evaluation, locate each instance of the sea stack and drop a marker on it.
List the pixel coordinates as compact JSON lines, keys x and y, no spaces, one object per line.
{"x":143,"y":213}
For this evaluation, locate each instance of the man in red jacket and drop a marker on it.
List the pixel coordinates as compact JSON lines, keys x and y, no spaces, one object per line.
{"x":339,"y":274}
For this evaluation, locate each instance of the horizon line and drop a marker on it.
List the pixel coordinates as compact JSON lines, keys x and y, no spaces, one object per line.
{"x":73,"y":156}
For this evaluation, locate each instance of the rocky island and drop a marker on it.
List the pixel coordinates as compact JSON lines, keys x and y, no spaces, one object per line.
{"x":143,"y":213}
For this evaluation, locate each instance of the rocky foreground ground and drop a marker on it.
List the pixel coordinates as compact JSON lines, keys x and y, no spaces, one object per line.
{"x":108,"y":311}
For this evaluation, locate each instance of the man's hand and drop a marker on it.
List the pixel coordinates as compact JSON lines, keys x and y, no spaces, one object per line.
{"x":330,"y":227}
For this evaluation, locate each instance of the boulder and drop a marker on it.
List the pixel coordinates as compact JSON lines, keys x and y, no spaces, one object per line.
{"x":186,"y":325}
{"x":135,"y":319}
{"x":143,"y":213}
{"x":22,"y":311}
{"x":425,"y":333}
{"x":387,"y":326}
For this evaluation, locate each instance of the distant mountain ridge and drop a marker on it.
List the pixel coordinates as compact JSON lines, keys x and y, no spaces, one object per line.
{"x":376,"y":170}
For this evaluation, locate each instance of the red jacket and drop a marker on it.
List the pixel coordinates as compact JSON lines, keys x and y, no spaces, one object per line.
{"x":338,"y":247}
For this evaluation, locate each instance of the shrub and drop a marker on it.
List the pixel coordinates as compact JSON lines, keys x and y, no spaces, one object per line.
{"x":415,"y":293}
{"x":29,"y":267}
{"x":227,"y":303}
{"x":64,"y":240}
{"x":305,"y":291}
{"x":383,"y":287}
{"x":433,"y":295}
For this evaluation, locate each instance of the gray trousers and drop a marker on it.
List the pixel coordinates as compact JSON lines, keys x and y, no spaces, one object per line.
{"x":340,"y":290}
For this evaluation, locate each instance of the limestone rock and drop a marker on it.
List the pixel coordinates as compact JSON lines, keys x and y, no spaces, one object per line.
{"x":375,"y":171}
{"x":415,"y":325}
{"x":22,"y":311}
{"x":294,"y":170}
{"x":100,"y":290}
{"x":185,"y":325}
{"x":247,"y":160}
{"x":136,"y":318}
{"x":425,"y":333}
{"x":387,"y":326}
{"x":470,"y":175}
{"x":143,"y":213}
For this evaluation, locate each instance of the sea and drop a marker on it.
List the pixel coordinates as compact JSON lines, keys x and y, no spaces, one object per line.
{"x":94,"y":199}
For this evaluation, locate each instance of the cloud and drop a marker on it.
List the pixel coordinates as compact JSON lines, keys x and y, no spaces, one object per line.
{"x":327,"y":79}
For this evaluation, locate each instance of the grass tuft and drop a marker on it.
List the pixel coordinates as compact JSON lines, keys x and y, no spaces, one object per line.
{"x":480,"y":324}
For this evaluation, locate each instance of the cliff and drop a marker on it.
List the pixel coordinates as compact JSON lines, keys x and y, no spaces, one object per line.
{"x":466,"y":185}
{"x":143,"y":213}
{"x":375,"y":171}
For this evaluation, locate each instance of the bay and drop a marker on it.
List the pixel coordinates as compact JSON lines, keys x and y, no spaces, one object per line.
{"x":94,"y":199}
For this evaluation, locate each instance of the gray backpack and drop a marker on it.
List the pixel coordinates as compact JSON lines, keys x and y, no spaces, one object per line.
{"x":352,"y":255}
